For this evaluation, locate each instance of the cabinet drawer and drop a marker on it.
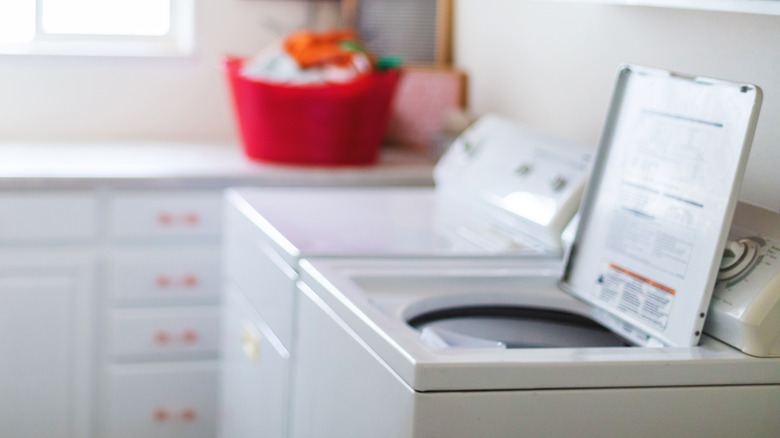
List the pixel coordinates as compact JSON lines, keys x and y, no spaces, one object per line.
{"x":47,"y":216}
{"x":171,"y":275}
{"x":143,"y":215}
{"x":164,"y":333}
{"x":162,"y":401}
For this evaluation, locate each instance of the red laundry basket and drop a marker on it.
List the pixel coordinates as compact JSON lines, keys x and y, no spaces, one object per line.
{"x":328,"y":125}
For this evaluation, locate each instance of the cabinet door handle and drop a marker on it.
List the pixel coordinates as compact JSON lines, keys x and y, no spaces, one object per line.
{"x":164,"y":218}
{"x":163,"y":281}
{"x":189,"y":415}
{"x":191,"y":218}
{"x":160,"y":415}
{"x":190,"y":280}
{"x":161,"y":337}
{"x":189,"y":336}
{"x":250,"y":342}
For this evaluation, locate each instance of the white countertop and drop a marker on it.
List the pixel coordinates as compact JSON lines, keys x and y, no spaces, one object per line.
{"x":138,"y":165}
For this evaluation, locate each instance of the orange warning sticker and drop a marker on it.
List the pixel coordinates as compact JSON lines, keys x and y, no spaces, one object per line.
{"x":641,"y":278}
{"x":634,"y":295}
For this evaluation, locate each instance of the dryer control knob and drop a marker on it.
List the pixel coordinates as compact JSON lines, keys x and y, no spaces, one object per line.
{"x":738,"y":256}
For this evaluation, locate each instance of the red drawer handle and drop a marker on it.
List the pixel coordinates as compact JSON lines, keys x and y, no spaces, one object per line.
{"x":160,"y":414}
{"x":189,"y":336}
{"x":163,"y":281}
{"x":191,"y":218}
{"x":162,"y":337}
{"x":189,"y":414}
{"x":190,"y":280}
{"x":164,"y":218}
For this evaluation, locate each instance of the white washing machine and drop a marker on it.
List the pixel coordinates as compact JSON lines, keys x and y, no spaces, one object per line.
{"x":501,"y":191}
{"x":612,"y":347}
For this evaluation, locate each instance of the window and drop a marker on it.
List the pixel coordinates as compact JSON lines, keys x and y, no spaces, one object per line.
{"x":96,"y":27}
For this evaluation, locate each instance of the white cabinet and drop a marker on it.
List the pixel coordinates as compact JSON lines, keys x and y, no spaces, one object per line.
{"x":110,"y":285}
{"x":255,"y":367}
{"x":161,"y":315}
{"x":46,"y":338}
{"x":259,"y":272}
{"x":109,"y":313}
{"x":109,"y":310}
{"x":257,"y":332}
{"x":48,"y":217}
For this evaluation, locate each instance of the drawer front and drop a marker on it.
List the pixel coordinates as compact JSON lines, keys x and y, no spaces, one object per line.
{"x":171,"y":333}
{"x":176,"y":400}
{"x":254,"y":376}
{"x":143,"y":215}
{"x":265,"y":279}
{"x":170,"y":275}
{"x":35,"y":216}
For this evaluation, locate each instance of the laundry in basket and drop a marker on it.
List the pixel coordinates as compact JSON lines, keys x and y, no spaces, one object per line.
{"x":315,"y":99}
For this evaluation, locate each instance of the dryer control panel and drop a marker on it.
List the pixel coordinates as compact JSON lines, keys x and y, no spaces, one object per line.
{"x":745,"y":307}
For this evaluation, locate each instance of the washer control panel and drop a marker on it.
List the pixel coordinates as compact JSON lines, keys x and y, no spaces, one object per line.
{"x":745,"y":307}
{"x":527,"y":185}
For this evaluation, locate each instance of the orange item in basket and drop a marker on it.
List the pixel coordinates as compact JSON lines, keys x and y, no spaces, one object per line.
{"x":316,"y":49}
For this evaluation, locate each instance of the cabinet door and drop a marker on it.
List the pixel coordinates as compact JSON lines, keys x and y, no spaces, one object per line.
{"x":254,"y":374}
{"x":37,"y":328}
{"x":262,"y":275}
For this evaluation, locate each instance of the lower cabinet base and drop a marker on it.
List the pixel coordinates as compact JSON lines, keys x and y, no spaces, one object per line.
{"x":161,"y":400}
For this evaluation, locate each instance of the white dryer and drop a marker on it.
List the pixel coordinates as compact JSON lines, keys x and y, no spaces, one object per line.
{"x":612,"y":347}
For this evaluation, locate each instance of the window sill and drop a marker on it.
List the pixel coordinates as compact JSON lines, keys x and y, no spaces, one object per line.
{"x":165,"y":48}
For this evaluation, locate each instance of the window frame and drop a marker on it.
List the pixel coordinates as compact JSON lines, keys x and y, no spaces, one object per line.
{"x":178,"y":41}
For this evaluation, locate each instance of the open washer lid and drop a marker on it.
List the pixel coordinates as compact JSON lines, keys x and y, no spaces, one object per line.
{"x":656,"y":212}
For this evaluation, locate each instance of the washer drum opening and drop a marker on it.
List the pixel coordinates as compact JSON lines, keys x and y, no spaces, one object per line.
{"x":518,"y":327}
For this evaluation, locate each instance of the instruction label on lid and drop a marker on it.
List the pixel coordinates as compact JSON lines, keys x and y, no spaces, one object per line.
{"x":657,"y":209}
{"x":635,"y":295}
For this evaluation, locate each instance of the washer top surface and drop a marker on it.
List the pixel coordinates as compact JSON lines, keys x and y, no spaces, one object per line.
{"x":398,"y":222}
{"x":375,"y":298}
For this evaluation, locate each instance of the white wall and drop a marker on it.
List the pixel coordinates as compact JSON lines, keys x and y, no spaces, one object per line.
{"x":553,"y":65}
{"x":550,"y":64}
{"x":58,"y":98}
